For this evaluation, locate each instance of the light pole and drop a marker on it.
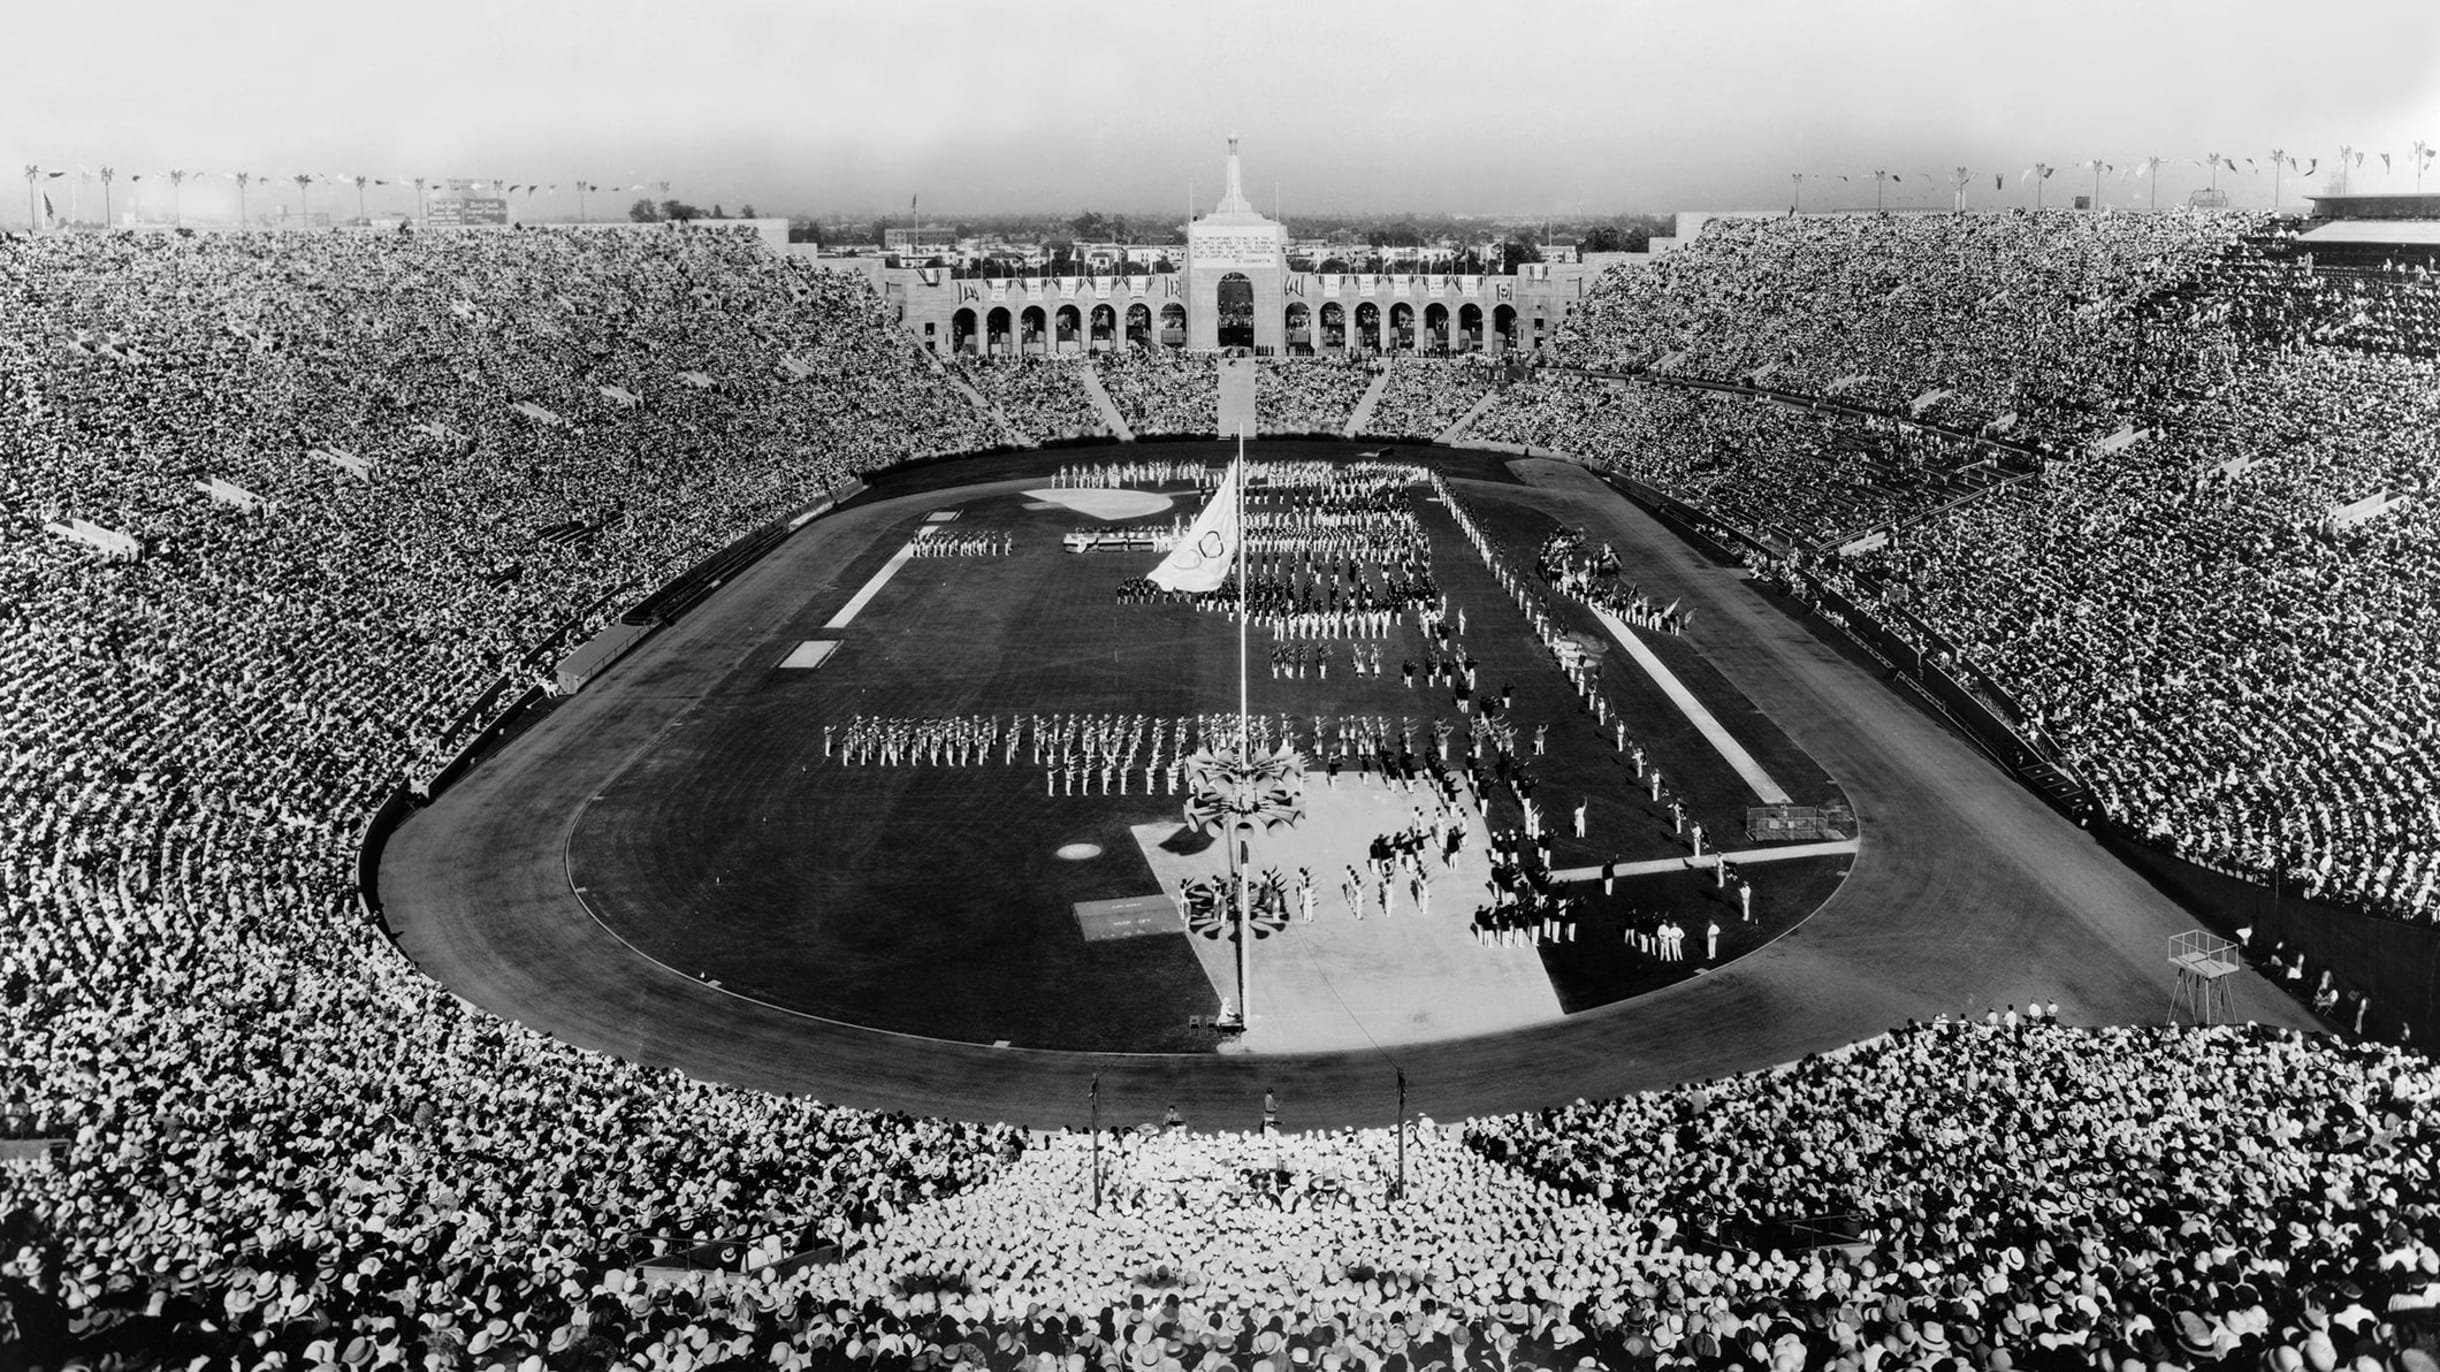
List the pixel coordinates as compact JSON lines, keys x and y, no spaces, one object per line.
{"x":243,"y":179}
{"x":2097,"y":166}
{"x":32,"y":175}
{"x":2279,"y":165}
{"x":177,"y":212}
{"x":1093,"y":1093}
{"x":1879,"y":180}
{"x":109,"y":174}
{"x":2151,"y":168}
{"x":304,"y":215}
{"x":2041,"y":173}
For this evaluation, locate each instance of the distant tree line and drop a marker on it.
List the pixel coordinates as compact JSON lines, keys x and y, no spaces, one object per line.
{"x":648,"y":211}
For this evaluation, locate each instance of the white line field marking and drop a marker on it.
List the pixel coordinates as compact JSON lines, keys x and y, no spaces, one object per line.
{"x":1708,"y":861}
{"x":851,"y":609}
{"x":1693,"y":709}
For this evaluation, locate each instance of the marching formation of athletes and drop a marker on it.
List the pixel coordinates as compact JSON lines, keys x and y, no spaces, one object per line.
{"x":1110,"y":475}
{"x":936,"y":543}
{"x":1567,"y":561}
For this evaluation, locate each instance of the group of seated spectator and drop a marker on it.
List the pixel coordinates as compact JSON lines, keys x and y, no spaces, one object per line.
{"x":1423,"y":397}
{"x":1042,"y":399}
{"x":1163,"y":390}
{"x":1954,"y":1197}
{"x":2024,"y":314}
{"x":268,"y":1110}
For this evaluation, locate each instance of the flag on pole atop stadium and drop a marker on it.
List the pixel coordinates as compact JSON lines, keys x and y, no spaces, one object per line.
{"x":1201,"y":560}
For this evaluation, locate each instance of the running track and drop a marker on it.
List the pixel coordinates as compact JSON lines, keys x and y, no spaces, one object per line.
{"x":1968,"y":892}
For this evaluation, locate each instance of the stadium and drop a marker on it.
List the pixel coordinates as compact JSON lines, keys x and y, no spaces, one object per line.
{"x":1849,"y":791}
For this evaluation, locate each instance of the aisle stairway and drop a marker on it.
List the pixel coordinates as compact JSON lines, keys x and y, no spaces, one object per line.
{"x":1362,"y":418}
{"x":1110,"y":417}
{"x":1456,"y":431}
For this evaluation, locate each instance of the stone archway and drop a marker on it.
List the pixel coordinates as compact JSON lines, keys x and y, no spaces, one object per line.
{"x":1368,"y":327}
{"x":1173,"y":325}
{"x":1000,"y":341}
{"x":1299,"y":320}
{"x":1334,"y":325}
{"x":1068,"y":326}
{"x":1034,"y":323}
{"x":1104,"y":335}
{"x":1139,"y":323}
{"x":1436,"y":327}
{"x":961,"y":332}
{"x":1401,"y":326}
{"x":1504,"y":325}
{"x":1235,"y":301}
{"x":1469,"y":328}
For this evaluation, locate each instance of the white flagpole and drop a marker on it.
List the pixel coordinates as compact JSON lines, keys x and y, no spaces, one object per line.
{"x":1245,"y":753}
{"x":1242,"y":752}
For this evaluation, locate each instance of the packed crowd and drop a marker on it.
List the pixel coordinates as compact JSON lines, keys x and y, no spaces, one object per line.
{"x":1951,"y":1198}
{"x":1163,"y":391}
{"x":1422,"y":397}
{"x":1043,"y":399}
{"x":2238,"y":667}
{"x":2029,"y":315}
{"x":1791,"y":476}
{"x":274,"y":1124}
{"x":1309,"y":395}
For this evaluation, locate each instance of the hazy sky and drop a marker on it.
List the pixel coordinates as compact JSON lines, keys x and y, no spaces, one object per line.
{"x":1361,"y":105}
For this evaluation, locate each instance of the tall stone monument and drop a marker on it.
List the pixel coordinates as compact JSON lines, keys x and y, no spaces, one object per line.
{"x":1234,"y":241}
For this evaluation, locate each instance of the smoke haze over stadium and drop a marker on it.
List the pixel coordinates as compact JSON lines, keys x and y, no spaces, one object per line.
{"x":1551,"y":108}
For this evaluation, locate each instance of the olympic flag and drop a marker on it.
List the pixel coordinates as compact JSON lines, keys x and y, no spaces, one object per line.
{"x":1202,"y":559}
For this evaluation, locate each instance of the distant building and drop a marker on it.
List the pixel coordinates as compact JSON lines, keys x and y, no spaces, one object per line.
{"x":921,"y":240}
{"x":1232,"y":289}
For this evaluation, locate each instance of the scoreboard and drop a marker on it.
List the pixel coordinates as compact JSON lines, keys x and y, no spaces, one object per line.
{"x":454,"y":211}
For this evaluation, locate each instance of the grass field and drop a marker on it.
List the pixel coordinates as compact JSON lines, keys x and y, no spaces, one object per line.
{"x":932,"y":900}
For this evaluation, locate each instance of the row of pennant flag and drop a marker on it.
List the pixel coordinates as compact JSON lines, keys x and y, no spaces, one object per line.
{"x":2417,"y":159}
{"x":34,"y":173}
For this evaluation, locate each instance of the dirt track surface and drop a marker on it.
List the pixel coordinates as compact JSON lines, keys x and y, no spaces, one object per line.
{"x":1969,"y":892}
